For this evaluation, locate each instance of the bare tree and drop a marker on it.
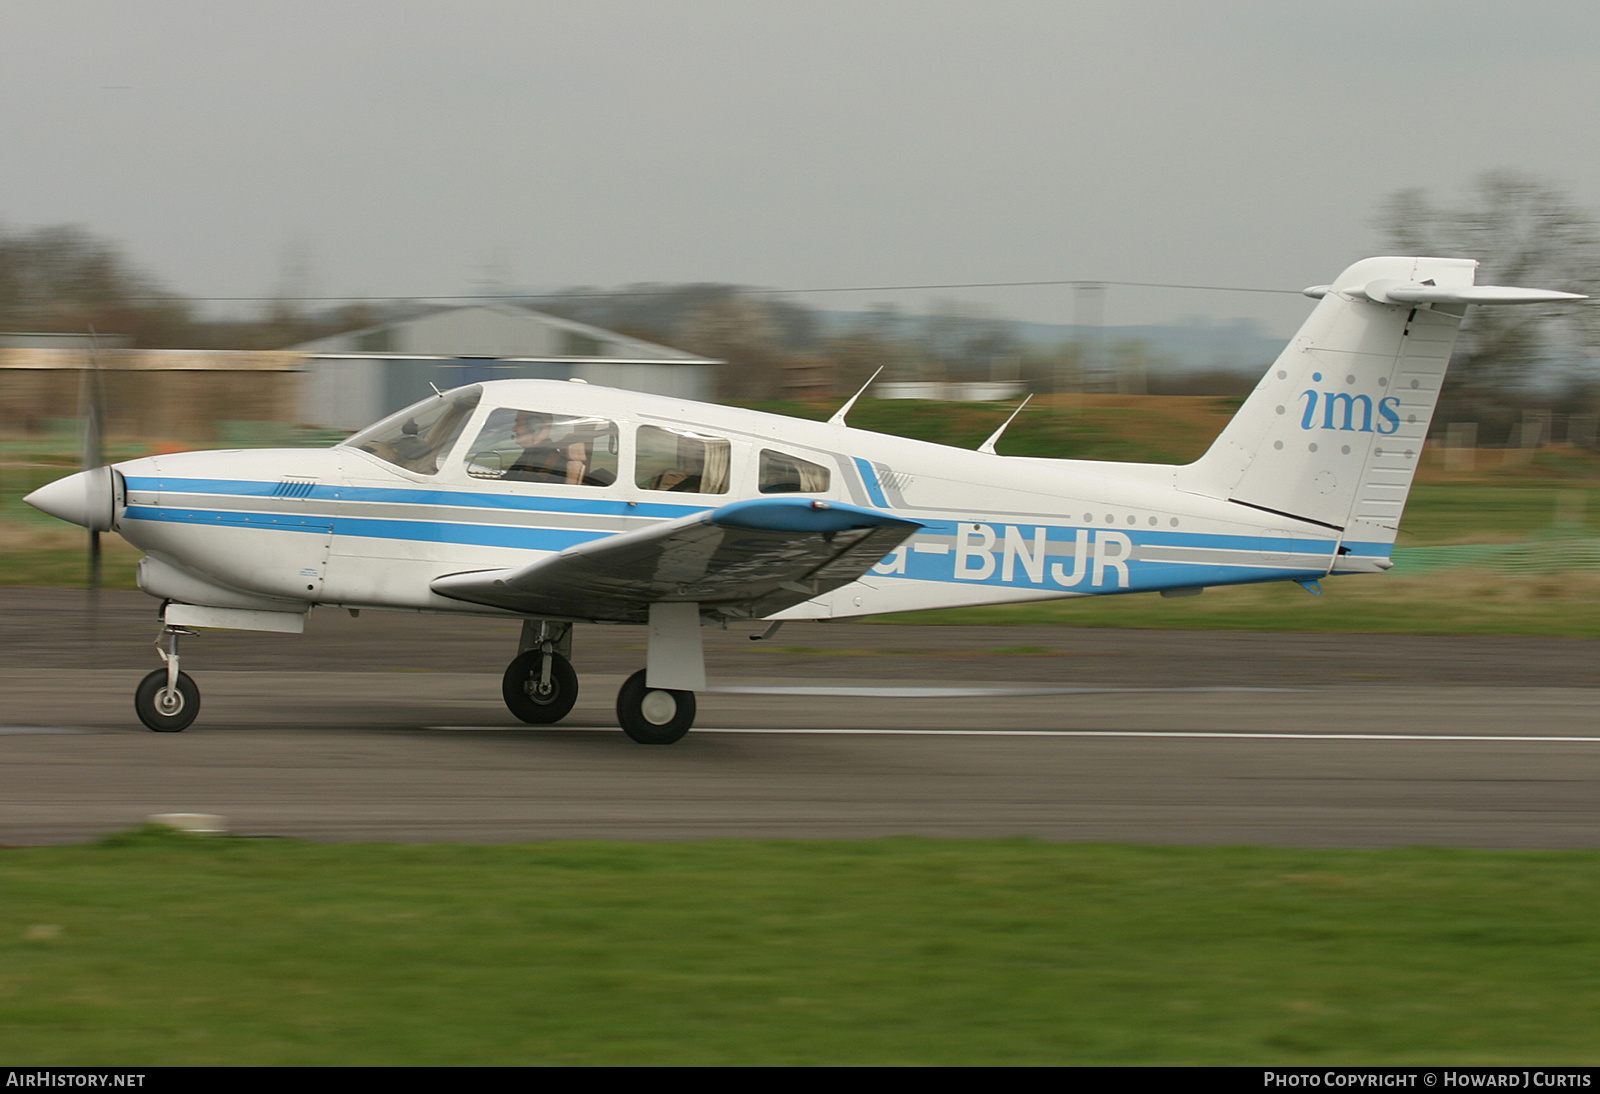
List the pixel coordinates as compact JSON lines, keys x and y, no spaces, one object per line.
{"x":964,"y":339}
{"x":1525,"y":231}
{"x":741,"y":332}
{"x":64,"y":279}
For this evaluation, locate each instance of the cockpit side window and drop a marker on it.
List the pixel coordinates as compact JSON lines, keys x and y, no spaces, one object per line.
{"x":782,"y":473}
{"x":416,"y":437}
{"x":533,"y":446}
{"x":681,"y":461}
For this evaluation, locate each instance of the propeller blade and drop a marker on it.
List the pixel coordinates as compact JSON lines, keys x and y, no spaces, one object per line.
{"x":92,"y":397}
{"x":94,"y":562}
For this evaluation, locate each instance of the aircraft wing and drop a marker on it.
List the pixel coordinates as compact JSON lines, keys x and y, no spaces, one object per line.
{"x":752,"y":558}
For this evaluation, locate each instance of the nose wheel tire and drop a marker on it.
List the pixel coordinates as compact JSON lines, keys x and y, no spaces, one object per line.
{"x":531,"y":700}
{"x":654,"y":716}
{"x":164,"y":710}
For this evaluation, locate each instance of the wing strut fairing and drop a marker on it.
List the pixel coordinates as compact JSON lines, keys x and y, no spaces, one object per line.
{"x":747,"y":560}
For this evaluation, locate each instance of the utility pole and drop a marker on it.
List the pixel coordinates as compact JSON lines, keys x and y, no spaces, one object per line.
{"x":1088,"y":316}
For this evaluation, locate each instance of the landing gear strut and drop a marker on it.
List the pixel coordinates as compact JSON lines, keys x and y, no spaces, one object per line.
{"x":654,"y":716}
{"x":663,"y":713}
{"x":167,"y":700}
{"x":540,"y":685}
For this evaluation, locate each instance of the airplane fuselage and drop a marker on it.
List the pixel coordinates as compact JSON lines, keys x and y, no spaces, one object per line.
{"x":285,"y":529}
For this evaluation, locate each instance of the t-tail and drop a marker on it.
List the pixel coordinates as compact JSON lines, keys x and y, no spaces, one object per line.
{"x":1333,"y":432}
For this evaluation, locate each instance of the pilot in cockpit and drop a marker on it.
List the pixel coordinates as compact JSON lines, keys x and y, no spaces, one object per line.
{"x":543,"y":459}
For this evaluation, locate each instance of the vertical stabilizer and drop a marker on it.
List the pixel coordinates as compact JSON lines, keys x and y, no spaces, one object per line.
{"x":1334,"y":431}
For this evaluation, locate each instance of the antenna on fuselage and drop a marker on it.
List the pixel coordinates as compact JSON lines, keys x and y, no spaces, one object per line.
{"x":838,"y":415}
{"x":988,"y":445}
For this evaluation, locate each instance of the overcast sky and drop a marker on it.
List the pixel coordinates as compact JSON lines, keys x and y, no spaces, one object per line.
{"x":407,"y":147}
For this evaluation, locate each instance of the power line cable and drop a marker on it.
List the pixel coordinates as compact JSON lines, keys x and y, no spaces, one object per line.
{"x":615,"y":294}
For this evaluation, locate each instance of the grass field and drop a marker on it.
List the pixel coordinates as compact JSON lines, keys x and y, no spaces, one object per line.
{"x":1165,"y":429}
{"x":167,"y":949}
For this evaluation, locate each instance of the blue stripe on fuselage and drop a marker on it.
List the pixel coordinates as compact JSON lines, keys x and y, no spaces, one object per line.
{"x":869,"y":479}
{"x":1141,"y":574}
{"x":1152,"y":537}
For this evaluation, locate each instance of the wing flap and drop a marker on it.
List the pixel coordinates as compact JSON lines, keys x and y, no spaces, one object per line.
{"x":750,"y":558}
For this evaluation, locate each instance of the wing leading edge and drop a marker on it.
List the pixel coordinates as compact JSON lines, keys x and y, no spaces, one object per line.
{"x":748,"y":559}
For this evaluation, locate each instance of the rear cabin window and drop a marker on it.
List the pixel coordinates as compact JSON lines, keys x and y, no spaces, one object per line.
{"x":782,"y":473}
{"x":532,"y":446}
{"x":419,"y":435}
{"x":681,"y":461}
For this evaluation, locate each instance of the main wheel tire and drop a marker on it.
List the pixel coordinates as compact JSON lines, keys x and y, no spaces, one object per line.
{"x":520,"y":688}
{"x":163,"y":711}
{"x":653,"y":716}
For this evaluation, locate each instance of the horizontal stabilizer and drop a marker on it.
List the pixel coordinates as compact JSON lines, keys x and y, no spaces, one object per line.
{"x":1405,"y":292}
{"x":1473,"y":294}
{"x":752,"y":558}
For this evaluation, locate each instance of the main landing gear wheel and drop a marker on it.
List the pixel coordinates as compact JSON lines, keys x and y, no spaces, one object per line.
{"x":166,"y":710}
{"x":653,"y":716}
{"x":530,"y":697}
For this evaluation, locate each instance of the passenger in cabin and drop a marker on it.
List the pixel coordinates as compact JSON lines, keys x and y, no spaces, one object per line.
{"x":681,"y":460}
{"x":543,"y":459}
{"x":687,"y":477}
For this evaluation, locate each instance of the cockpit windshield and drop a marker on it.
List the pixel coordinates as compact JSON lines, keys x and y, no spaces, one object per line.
{"x":416,"y":437}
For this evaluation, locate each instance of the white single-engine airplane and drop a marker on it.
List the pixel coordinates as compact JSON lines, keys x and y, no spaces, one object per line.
{"x":559,"y":502}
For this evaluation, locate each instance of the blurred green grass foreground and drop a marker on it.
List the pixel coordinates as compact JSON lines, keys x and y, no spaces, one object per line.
{"x":159,"y":948}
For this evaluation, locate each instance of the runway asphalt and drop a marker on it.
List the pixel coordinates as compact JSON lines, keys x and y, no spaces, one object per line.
{"x":390,"y":727}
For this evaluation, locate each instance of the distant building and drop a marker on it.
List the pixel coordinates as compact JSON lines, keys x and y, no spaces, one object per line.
{"x":810,"y":379}
{"x":977,"y":391}
{"x":355,"y":378}
{"x":199,"y":396}
{"x":55,"y":340}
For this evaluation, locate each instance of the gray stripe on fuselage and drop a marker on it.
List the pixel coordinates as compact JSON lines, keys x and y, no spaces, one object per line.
{"x":1225,"y":556}
{"x":851,"y":477}
{"x":408,"y":511}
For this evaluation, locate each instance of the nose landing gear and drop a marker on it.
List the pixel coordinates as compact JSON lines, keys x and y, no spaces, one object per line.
{"x":167,"y":700}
